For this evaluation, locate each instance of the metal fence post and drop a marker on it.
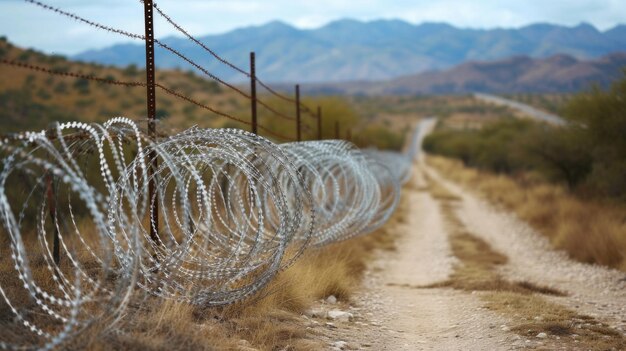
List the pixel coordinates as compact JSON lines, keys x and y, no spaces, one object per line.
{"x":151,"y":105}
{"x":253,"y":92}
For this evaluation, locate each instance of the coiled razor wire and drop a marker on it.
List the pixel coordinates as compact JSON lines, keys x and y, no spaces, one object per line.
{"x":235,"y":210}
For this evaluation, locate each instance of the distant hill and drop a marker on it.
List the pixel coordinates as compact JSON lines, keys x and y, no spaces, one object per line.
{"x":348,"y":50}
{"x":31,"y":100}
{"x":519,"y":74}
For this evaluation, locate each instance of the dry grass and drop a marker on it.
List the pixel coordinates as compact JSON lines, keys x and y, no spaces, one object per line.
{"x":272,"y":320}
{"x":98,"y":102}
{"x":535,"y":315}
{"x":531,"y":313}
{"x":589,"y":231}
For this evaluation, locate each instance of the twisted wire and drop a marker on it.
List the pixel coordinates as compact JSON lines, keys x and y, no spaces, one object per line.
{"x":142,"y":84}
{"x":181,"y":56}
{"x":229,"y":64}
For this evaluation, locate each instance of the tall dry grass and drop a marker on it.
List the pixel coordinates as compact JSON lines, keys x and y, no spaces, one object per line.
{"x":589,"y":231}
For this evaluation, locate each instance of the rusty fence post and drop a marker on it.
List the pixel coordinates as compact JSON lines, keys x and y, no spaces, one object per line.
{"x":298,"y":123}
{"x":253,"y":92}
{"x":151,"y":105}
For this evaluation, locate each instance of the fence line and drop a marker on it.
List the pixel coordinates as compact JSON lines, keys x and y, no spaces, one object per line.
{"x":141,"y":84}
{"x":237,"y":208}
{"x":182,"y":56}
{"x":224,"y":61}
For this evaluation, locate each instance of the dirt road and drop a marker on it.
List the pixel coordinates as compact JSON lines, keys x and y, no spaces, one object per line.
{"x":396,"y":309}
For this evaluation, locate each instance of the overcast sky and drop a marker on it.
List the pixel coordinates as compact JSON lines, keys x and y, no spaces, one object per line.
{"x":30,"y":26}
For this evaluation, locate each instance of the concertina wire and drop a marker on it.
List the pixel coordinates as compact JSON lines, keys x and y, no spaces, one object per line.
{"x":235,"y":210}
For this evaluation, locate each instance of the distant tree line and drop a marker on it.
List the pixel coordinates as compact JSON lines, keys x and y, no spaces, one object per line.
{"x":588,"y":154}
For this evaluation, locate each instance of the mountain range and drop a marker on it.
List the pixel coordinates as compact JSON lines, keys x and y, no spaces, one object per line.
{"x":348,"y":50}
{"x":519,"y":74}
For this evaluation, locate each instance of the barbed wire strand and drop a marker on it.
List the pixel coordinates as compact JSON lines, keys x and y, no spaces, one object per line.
{"x":226,"y":62}
{"x":171,"y":50}
{"x":141,"y":84}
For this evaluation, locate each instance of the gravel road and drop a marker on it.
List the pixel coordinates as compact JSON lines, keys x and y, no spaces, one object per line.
{"x":394,"y":311}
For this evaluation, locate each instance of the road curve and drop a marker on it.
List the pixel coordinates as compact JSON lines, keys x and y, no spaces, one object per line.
{"x":525,"y":109}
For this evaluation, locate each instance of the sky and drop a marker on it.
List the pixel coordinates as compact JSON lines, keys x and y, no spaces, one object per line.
{"x":30,"y":26}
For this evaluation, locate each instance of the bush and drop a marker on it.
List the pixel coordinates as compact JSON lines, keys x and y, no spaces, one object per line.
{"x":82,"y":85}
{"x":599,"y":117}
{"x":43,"y":94}
{"x":588,"y":154}
{"x":60,"y":88}
{"x":379,"y":137}
{"x":130,"y":71}
{"x":497,"y":147}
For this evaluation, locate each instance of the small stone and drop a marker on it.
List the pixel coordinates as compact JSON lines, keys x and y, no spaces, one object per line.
{"x":331,"y":299}
{"x":339,"y":345}
{"x":315,"y":313}
{"x":338,"y":315}
{"x":505,"y":328}
{"x":542,"y":335}
{"x":331,"y":325}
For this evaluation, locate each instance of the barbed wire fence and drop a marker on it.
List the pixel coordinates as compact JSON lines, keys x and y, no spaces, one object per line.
{"x":204,"y":216}
{"x":149,"y":42}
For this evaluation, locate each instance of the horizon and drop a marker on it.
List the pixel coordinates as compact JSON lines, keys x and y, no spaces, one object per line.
{"x":331,"y":22}
{"x":69,"y":37}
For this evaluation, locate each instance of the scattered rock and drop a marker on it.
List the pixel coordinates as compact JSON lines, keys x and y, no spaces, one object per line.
{"x":331,"y":325}
{"x":338,"y":315}
{"x":331,"y":299}
{"x":339,"y":345}
{"x":542,"y":335}
{"x":315,"y":313}
{"x":505,"y":328}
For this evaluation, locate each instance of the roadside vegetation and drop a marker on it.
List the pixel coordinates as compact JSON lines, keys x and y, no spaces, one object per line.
{"x":588,"y":155}
{"x":568,"y":182}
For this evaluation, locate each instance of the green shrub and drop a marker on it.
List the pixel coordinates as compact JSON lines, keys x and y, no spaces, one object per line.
{"x":82,"y":85}
{"x":588,"y":154}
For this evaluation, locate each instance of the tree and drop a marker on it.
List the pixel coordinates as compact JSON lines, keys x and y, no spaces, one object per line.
{"x":599,"y":116}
